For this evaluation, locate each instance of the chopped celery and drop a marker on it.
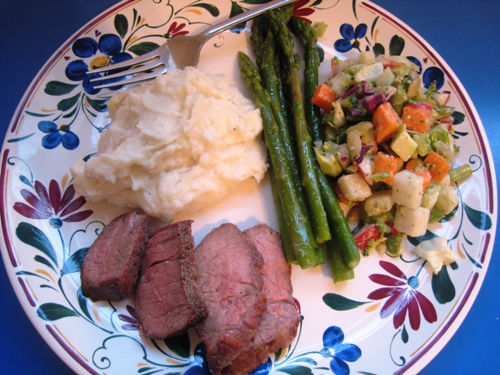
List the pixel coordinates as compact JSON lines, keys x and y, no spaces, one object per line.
{"x":435,"y":216}
{"x":461,"y":172}
{"x":423,"y":144}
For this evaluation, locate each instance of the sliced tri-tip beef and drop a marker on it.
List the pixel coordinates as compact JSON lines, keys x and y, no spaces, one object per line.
{"x":111,"y":267}
{"x":166,"y":302}
{"x":281,"y":318}
{"x":229,"y":271}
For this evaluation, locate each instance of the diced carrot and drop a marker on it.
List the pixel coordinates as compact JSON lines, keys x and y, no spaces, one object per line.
{"x":417,"y":166}
{"x":386,"y":122}
{"x":437,"y":165}
{"x":384,"y":162}
{"x":417,"y":117}
{"x":324,"y":96}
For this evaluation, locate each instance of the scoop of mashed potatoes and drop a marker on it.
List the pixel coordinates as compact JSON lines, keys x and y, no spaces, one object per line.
{"x":178,"y":143}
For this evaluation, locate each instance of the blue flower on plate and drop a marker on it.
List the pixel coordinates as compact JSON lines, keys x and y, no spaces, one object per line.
{"x":433,"y":74}
{"x":104,"y":52}
{"x":57,"y":135}
{"x":350,"y":37}
{"x":334,"y":347}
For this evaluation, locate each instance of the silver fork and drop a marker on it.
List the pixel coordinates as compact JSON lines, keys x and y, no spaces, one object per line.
{"x":177,"y":53}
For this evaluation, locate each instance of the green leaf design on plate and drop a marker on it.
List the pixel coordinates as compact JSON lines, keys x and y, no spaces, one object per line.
{"x":35,"y":114}
{"x":44,"y":261}
{"x":296,"y":370}
{"x":340,"y":303}
{"x":404,"y":335}
{"x":212,"y":9}
{"x":442,"y":286}
{"x":254,"y":2}
{"x":66,"y":104}
{"x":57,"y":88}
{"x":235,"y":9}
{"x":396,"y":45}
{"x":458,"y":117}
{"x":143,"y":48}
{"x":98,"y":104}
{"x":33,"y":236}
{"x":74,"y":262}
{"x":121,"y":25}
{"x":13,"y":140}
{"x":379,"y":49}
{"x":321,"y":53}
{"x":479,"y":219}
{"x":180,"y":345}
{"x":427,"y":236}
{"x":82,"y":302}
{"x":53,"y":311}
{"x":374,"y":23}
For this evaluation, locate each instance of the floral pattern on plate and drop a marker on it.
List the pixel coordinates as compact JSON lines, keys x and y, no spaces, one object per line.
{"x":390,"y":318}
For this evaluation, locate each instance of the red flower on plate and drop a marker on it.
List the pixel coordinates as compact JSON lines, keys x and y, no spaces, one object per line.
{"x":176,"y":29}
{"x":402,"y":297}
{"x":52,"y":204}
{"x":300,"y":11}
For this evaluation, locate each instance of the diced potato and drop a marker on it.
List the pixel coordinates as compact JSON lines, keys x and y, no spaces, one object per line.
{"x":413,"y":222}
{"x":366,"y":57}
{"x":407,"y":189}
{"x":447,"y":199}
{"x":403,"y":144}
{"x":386,"y":78}
{"x":354,"y":187}
{"x":369,"y":72}
{"x":379,"y":202}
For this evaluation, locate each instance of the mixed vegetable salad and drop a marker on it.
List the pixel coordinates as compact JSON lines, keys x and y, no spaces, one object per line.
{"x":389,"y":144}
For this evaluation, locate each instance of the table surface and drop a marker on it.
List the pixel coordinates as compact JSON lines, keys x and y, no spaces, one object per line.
{"x":464,"y":33}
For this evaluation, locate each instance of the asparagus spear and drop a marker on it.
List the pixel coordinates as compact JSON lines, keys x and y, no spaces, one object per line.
{"x":307,"y":36}
{"x":341,"y":234}
{"x":304,"y":142}
{"x":340,"y":271}
{"x":302,"y":240}
{"x":271,"y":85}
{"x":285,"y":236}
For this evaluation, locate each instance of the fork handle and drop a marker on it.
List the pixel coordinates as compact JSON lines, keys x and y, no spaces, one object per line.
{"x":242,"y":17}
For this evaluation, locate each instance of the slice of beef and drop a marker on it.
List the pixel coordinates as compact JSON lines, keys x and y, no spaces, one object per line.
{"x":228,"y":266}
{"x":111,"y":267}
{"x":280,"y":321}
{"x":166,"y":305}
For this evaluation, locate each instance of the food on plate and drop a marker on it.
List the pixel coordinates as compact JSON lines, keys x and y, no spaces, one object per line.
{"x":400,"y":149}
{"x":111,"y":267}
{"x":436,"y":252}
{"x":370,"y":137}
{"x":167,"y":301}
{"x":229,"y":273}
{"x":280,"y":320}
{"x":234,"y":288}
{"x":245,"y":280}
{"x":178,"y":143}
{"x":307,"y":207}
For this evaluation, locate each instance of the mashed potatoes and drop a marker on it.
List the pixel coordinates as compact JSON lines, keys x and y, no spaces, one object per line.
{"x":177,"y":143}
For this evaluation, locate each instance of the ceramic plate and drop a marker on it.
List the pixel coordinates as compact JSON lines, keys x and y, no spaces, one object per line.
{"x":395,"y":316}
